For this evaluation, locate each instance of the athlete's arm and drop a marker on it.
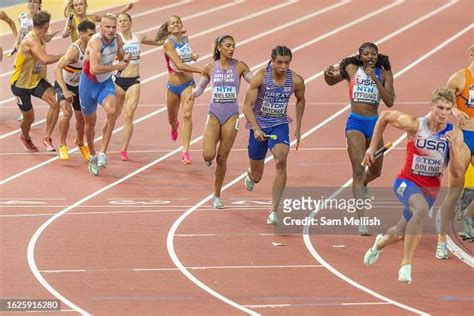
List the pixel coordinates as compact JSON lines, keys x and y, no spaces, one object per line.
{"x":38,"y":51}
{"x":332,"y":75}
{"x":11,"y":24}
{"x":171,"y":53}
{"x":244,"y":71}
{"x":70,"y":57}
{"x":458,"y":153}
{"x":397,"y":119}
{"x":149,"y":41}
{"x":300,"y":105}
{"x":250,"y":98}
{"x":387,"y":92}
{"x":124,"y":9}
{"x":206,"y":78}
{"x":94,"y":58}
{"x":49,"y":36}
{"x":456,"y":83}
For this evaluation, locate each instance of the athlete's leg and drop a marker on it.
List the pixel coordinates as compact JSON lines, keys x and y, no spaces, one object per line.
{"x":172,"y":104}
{"x":280,"y":153}
{"x":89,"y":131}
{"x":210,"y":139}
{"x":187,"y":118}
{"x":66,"y":108}
{"x":375,"y":170}
{"x":130,"y":106}
{"x":419,"y":209}
{"x":227,"y":137}
{"x":53,"y":112}
{"x":109,"y":105}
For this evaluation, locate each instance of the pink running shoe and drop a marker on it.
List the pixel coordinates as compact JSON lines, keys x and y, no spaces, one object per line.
{"x":174,"y":132}
{"x":123,"y":155}
{"x":48,"y":144}
{"x":28,"y":144}
{"x":186,"y":159}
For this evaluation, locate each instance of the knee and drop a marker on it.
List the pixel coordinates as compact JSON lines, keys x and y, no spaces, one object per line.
{"x":358,"y":173}
{"x":187,"y":115}
{"x":280,"y":163}
{"x":54,"y":105}
{"x":79,"y":118}
{"x":257,"y":176}
{"x":67,"y":113}
{"x":221,"y":160}
{"x":420,"y":213}
{"x":111,"y":114}
{"x":128,"y":117}
{"x":376,"y":173}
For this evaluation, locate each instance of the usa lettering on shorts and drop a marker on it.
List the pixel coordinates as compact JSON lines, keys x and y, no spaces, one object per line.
{"x":224,"y":94}
{"x":427,"y":166}
{"x":365,"y":94}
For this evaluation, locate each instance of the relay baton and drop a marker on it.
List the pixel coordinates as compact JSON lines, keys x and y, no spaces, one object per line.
{"x":379,"y":153}
{"x":273,"y":137}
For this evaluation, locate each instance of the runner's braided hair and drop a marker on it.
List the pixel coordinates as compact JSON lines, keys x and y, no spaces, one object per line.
{"x":281,"y":51}
{"x":217,"y":42}
{"x":382,"y":60}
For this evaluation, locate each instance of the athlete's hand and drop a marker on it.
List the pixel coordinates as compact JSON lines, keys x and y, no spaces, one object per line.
{"x":259,"y":135}
{"x":124,"y":62}
{"x":332,"y":71}
{"x":369,"y":157}
{"x":369,"y":70}
{"x":451,"y":136}
{"x":68,"y":95}
{"x":298,"y":137}
{"x":194,"y":56}
{"x":461,"y":116}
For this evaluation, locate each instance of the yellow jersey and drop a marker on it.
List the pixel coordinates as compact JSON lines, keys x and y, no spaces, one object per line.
{"x":469,"y":177}
{"x":28,"y":70}
{"x":74,"y":30}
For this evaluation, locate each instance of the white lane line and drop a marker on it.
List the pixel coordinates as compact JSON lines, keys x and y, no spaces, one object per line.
{"x":318,"y":12}
{"x":134,"y":16}
{"x":195,"y":15}
{"x":201,"y":268}
{"x":306,"y":236}
{"x":35,"y":237}
{"x":176,"y":224}
{"x":190,"y":150}
{"x":162,"y":74}
{"x":257,"y":306}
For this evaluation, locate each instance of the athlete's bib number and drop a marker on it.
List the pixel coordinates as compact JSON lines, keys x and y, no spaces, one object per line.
{"x":38,"y":68}
{"x":273,"y":109}
{"x":427,"y":166}
{"x":224,"y":94}
{"x":368,"y":94}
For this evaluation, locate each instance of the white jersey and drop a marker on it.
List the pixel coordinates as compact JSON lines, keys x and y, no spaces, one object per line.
{"x":26,"y":24}
{"x":72,"y":72}
{"x":108,"y":53}
{"x":132,"y":47}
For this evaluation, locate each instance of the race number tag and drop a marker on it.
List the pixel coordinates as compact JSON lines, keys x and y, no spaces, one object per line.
{"x":273,"y":109}
{"x":224,"y":94}
{"x":427,"y":166}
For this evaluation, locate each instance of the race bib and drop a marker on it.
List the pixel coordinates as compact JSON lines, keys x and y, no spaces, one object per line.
{"x":427,"y":166}
{"x":74,"y":80}
{"x":224,"y":94}
{"x":273,"y":109}
{"x":38,"y":68}
{"x":184,"y":53}
{"x":365,"y":94}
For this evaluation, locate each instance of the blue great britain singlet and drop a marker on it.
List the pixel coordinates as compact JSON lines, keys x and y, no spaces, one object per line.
{"x":271,"y":106}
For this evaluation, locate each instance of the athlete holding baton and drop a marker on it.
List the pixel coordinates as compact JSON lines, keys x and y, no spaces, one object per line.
{"x":432,"y":142}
